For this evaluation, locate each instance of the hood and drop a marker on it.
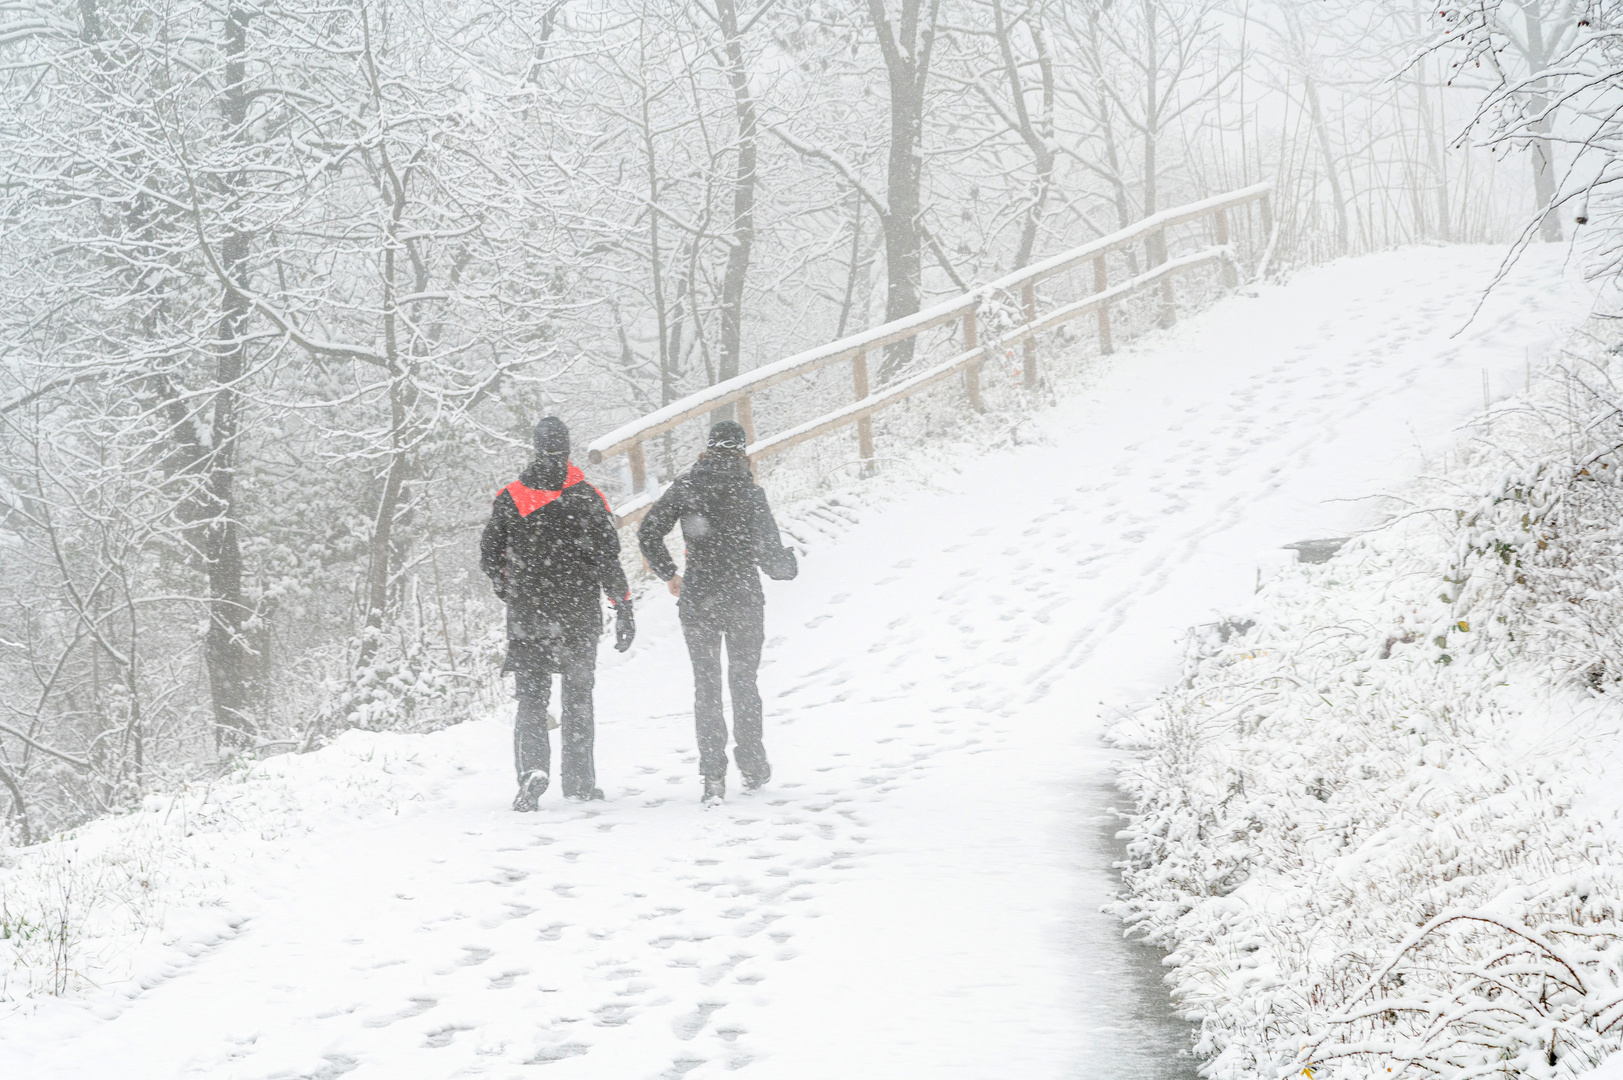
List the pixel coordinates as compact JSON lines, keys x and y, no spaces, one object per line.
{"x":529,"y":491}
{"x":722,"y":467}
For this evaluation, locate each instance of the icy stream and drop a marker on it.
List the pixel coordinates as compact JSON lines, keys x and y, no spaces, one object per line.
{"x":1150,"y":1041}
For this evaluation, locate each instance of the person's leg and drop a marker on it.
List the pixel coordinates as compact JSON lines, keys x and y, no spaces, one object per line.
{"x":746,"y":631}
{"x":578,"y":728}
{"x":704,"y":650}
{"x":532,"y":750}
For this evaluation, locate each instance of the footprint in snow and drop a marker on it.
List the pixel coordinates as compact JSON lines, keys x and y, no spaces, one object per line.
{"x":443,"y":1036}
{"x":686,"y":1027}
{"x":336,"y":1065}
{"x":417,"y":1007}
{"x":475,"y":956}
{"x":613,"y":1015}
{"x":507,"y":875}
{"x":552,"y":1054}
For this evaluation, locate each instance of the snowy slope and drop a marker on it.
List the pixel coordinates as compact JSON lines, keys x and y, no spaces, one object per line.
{"x":915,"y":893}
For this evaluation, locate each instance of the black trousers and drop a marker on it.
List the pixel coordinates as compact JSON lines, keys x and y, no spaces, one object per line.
{"x":743,"y":629}
{"x":533,"y":666}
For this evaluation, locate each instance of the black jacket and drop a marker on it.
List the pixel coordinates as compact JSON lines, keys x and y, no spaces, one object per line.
{"x":548,"y":551}
{"x":729,"y":532}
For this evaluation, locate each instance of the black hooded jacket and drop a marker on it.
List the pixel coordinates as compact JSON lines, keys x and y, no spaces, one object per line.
{"x":728,"y":529}
{"x":549,"y":547}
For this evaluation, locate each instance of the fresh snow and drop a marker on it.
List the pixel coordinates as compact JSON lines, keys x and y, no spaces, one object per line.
{"x":916,"y":893}
{"x":1377,"y":821}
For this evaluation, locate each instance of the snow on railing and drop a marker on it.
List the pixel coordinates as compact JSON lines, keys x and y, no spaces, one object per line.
{"x":629,"y":438}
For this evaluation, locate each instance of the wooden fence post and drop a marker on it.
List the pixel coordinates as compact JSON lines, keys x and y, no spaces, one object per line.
{"x":1231,"y":277}
{"x":746,"y":419}
{"x":1030,"y":366}
{"x":1100,"y":283}
{"x":1169,"y":310}
{"x":1266,"y":207}
{"x":972,"y":373}
{"x":639,"y":469}
{"x":859,"y":383}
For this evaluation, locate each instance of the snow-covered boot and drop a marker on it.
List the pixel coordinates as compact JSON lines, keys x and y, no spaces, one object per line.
{"x":754,"y":781}
{"x":531,"y":790}
{"x":714,"y":791}
{"x":594,"y":795}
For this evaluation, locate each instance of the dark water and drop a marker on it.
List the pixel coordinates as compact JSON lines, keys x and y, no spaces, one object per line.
{"x":1131,"y":1029}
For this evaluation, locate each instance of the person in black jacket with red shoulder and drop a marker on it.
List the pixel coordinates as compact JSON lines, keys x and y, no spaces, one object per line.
{"x":549,"y":548}
{"x":729,"y":532}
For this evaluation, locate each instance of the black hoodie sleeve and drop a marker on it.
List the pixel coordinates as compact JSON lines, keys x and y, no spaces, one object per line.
{"x":493,"y":541}
{"x":661,"y":519}
{"x":775,"y":560}
{"x":611,"y":576}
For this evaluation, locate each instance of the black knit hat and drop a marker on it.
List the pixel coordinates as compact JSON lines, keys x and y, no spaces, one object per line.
{"x":551,"y":438}
{"x":727,"y":435}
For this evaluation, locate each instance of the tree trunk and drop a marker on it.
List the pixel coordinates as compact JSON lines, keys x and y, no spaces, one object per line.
{"x":738,"y":256}
{"x":906,"y":48}
{"x":1155,"y":245}
{"x":856,"y":264}
{"x":395,"y":185}
{"x":1331,"y":173}
{"x":1038,"y":135}
{"x":1434,"y":152}
{"x":229,"y":658}
{"x":1542,"y":153}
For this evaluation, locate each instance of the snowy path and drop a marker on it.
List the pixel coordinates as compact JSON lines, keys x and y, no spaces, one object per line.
{"x":915,"y":895}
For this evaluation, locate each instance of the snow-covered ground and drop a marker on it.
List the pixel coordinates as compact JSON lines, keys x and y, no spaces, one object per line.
{"x":916,"y":893}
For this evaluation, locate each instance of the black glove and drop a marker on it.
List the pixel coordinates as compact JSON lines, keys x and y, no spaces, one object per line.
{"x":625,"y":625}
{"x":781,"y":566}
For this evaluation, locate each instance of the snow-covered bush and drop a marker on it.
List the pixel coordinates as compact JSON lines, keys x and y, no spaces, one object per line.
{"x":1358,"y":832}
{"x":118,"y":904}
{"x":408,"y":683}
{"x":1540,"y":555}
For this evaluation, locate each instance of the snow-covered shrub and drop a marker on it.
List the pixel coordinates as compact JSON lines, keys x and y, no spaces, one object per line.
{"x":1357,"y":831}
{"x":74,"y":904}
{"x":1533,"y":989}
{"x":116,"y":905}
{"x":407,"y":684}
{"x":1540,"y":557}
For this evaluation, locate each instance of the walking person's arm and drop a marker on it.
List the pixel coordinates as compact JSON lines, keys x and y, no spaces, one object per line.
{"x":661,"y":519}
{"x":611,"y":576}
{"x":493,"y":546}
{"x":775,"y":560}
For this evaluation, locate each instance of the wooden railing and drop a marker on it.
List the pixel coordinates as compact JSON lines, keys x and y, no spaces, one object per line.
{"x":629,"y":438}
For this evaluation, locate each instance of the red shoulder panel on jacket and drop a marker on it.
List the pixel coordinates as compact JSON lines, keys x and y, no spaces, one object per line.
{"x":529,"y":500}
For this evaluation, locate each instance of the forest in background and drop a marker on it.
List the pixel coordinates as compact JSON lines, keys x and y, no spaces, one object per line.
{"x":287,"y":283}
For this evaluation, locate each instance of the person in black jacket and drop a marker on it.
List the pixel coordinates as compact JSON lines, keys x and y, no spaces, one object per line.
{"x":548,"y":549}
{"x":729,"y":532}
